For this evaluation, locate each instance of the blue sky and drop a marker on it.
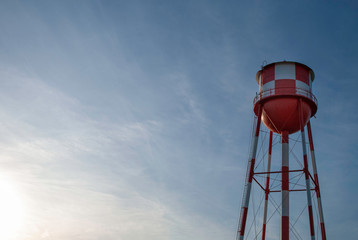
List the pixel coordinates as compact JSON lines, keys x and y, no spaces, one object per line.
{"x":131,"y":119}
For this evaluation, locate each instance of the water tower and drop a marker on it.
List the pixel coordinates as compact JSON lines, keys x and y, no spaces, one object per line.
{"x":284,"y":104}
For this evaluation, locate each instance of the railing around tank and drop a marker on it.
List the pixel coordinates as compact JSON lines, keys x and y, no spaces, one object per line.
{"x":290,"y":91}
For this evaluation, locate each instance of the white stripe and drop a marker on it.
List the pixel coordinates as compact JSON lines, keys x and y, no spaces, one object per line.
{"x":247,"y":197}
{"x":308,"y":188}
{"x":320,"y":210}
{"x":254,"y":148}
{"x":265,"y":211}
{"x":285,"y":202}
{"x":303,"y":137}
{"x":302,"y":88}
{"x":260,"y":79}
{"x":285,"y":71}
{"x":284,"y":154}
{"x":314,"y":162}
{"x":302,"y":85}
{"x":268,"y":165}
{"x":268,"y":89}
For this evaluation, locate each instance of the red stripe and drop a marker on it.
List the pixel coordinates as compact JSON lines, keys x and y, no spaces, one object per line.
{"x":263,"y":232}
{"x":267,"y":190}
{"x":315,"y":176}
{"x":285,"y":182}
{"x":285,"y":86}
{"x":305,"y":164}
{"x":258,"y":122}
{"x":285,"y":228}
{"x":243,"y":222}
{"x":318,"y":193}
{"x":284,"y":137}
{"x":302,"y":74}
{"x":323,"y":230}
{"x":285,"y":83}
{"x":270,"y":143}
{"x":268,"y":74}
{"x":310,"y":135}
{"x":311,"y":220}
{"x":317,"y":185}
{"x":251,"y":174}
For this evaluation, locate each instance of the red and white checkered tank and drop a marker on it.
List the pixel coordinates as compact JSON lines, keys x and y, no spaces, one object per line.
{"x":282,"y":85}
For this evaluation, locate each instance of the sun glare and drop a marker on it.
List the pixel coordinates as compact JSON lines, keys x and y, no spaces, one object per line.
{"x":11,"y":211}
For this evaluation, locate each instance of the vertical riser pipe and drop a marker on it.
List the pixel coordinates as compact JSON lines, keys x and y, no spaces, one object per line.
{"x":285,"y":200}
{"x":267,"y":190}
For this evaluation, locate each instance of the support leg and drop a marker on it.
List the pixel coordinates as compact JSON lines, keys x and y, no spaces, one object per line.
{"x":267,"y":190}
{"x":248,"y":180}
{"x":305,"y":163}
{"x":318,"y":193}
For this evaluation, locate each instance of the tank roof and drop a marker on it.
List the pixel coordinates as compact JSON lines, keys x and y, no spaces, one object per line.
{"x":259,"y":72}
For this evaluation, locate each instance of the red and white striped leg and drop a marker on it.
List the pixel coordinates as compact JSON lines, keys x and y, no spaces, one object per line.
{"x":267,"y":190}
{"x":249,"y":177}
{"x":285,"y":225}
{"x":318,"y":193}
{"x":305,"y":163}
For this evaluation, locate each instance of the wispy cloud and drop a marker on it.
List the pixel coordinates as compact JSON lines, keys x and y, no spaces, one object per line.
{"x":84,"y":178}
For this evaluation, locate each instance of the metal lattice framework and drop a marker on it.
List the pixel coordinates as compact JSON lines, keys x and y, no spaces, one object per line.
{"x":266,"y":180}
